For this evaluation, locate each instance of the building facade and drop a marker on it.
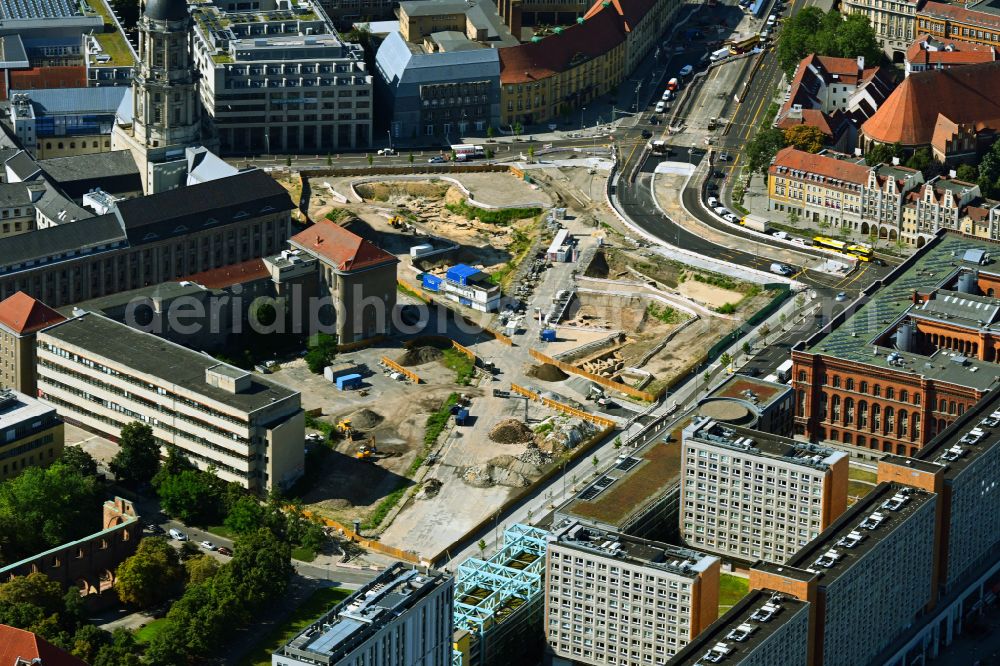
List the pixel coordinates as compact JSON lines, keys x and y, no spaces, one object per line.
{"x":358,"y":277}
{"x":979,"y":24}
{"x":104,"y":375}
{"x":32,"y":433}
{"x":278,"y":80}
{"x":149,"y":240}
{"x":64,"y":122}
{"x":403,"y":617}
{"x":929,"y":52}
{"x":894,"y":22}
{"x":749,"y":495}
{"x":615,"y":599}
{"x":21,"y":317}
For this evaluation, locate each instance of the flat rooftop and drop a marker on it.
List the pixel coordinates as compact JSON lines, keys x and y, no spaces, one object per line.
{"x":763,"y":444}
{"x":606,"y":543}
{"x":749,"y":623}
{"x":972,"y":435}
{"x":743,"y":387}
{"x":636,"y":480}
{"x":34,"y":9}
{"x":154,"y":357}
{"x":859,"y":530}
{"x":17,"y":407}
{"x":856,"y":335}
{"x":354,"y":620}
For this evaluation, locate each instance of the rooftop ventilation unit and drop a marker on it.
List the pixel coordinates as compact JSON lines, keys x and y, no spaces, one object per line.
{"x":717,"y":653}
{"x":851,"y":540}
{"x":974,"y":436}
{"x":766,"y":612}
{"x":872,"y":521}
{"x":953,"y":454}
{"x":896,"y":502}
{"x":828,"y":559}
{"x":741,"y":633}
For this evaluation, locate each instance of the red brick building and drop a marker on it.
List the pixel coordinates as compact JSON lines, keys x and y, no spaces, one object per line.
{"x":909,"y":357}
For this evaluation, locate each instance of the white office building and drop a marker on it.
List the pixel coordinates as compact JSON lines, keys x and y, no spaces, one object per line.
{"x":279,"y":79}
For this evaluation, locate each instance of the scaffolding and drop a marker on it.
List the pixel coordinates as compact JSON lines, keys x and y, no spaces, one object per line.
{"x":495,"y":596}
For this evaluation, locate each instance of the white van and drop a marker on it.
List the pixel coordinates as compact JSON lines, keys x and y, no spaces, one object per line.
{"x":713,"y":202}
{"x":177,"y":534}
{"x":781,"y":269}
{"x":772,"y":19}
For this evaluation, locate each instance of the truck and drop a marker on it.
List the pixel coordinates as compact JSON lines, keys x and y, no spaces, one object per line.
{"x":467,"y":151}
{"x":673,"y":85}
{"x":720,"y":54}
{"x":757,"y":223}
{"x":784,"y":371}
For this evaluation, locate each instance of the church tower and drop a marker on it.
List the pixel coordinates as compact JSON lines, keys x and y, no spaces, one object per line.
{"x":166,"y":111}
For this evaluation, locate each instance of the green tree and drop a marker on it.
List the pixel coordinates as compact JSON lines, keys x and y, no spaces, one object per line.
{"x":322,"y":351}
{"x":531,"y":153}
{"x":78,"y":459}
{"x":989,"y":172}
{"x":747,"y":348}
{"x":517,"y":128}
{"x":138,"y":456}
{"x":482,"y":548}
{"x":967,"y":172}
{"x":489,"y":132}
{"x":192,"y":496}
{"x":34,"y":603}
{"x":88,"y":641}
{"x":260,"y":567}
{"x":805,"y":137}
{"x":855,"y":37}
{"x":410,"y":158}
{"x":798,"y":37}
{"x":42,"y":508}
{"x":921,"y":159}
{"x":263,"y":311}
{"x":726,"y":360}
{"x":370,"y":159}
{"x":882,"y":153}
{"x":813,"y":31}
{"x":200,"y":569}
{"x":245,"y":515}
{"x":288,"y":160}
{"x":151,"y":575}
{"x":120,"y":651}
{"x":329,"y":159}
{"x":763,"y":147}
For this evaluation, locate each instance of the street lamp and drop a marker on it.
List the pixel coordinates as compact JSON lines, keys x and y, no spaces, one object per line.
{"x":583,"y":110}
{"x":389,"y":134}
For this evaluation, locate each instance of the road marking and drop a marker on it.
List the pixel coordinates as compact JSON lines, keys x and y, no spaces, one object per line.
{"x":860,"y":273}
{"x":629,"y":158}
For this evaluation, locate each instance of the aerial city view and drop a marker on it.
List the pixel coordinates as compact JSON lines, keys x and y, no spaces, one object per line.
{"x":499,"y":332}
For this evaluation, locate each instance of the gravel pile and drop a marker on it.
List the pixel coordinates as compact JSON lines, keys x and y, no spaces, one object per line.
{"x":365,"y":419}
{"x":511,"y":431}
{"x":535,"y":456}
{"x":419,"y":356}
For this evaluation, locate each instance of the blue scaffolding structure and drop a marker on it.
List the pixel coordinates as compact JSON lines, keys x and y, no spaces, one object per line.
{"x":488,"y":592}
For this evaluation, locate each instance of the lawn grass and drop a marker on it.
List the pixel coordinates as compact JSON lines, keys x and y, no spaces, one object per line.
{"x":463,"y":366}
{"x":858,"y":488}
{"x":731,"y":590}
{"x":859,"y":474}
{"x":221,"y":531}
{"x":315,"y":605}
{"x":146,"y":634}
{"x":303,"y":554}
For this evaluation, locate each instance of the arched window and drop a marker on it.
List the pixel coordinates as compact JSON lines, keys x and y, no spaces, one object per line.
{"x":916,"y":425}
{"x":904,"y":423}
{"x":877,"y":391}
{"x":849,"y":384}
{"x":876,"y":418}
{"x":864,"y":387}
{"x":802,"y":375}
{"x":904,"y":395}
{"x":890,"y":421}
{"x":862,"y":414}
{"x":916,"y":399}
{"x":952,"y":408}
{"x":836,"y":408}
{"x":836,"y":381}
{"x":890,"y":393}
{"x":961,"y":409}
{"x":848,"y":411}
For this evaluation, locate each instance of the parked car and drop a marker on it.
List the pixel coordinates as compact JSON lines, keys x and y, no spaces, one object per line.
{"x":772,"y":19}
{"x":660,"y":107}
{"x":155,"y":529}
{"x":207,"y":545}
{"x":177,"y":534}
{"x":666,"y":95}
{"x":720,"y":210}
{"x":724,"y":157}
{"x":686,"y":70}
{"x":782,"y":269}
{"x":386,"y":151}
{"x":729,"y":217}
{"x":222,"y":550}
{"x":437,"y":159}
{"x":842,"y":296}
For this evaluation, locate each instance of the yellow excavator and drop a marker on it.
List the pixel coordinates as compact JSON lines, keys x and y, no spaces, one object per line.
{"x":344,"y":428}
{"x":397,"y":222}
{"x":367,"y":450}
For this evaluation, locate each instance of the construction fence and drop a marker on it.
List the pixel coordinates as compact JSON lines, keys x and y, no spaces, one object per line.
{"x":350,"y":534}
{"x":409,"y":374}
{"x":562,"y":407}
{"x":603,"y":381}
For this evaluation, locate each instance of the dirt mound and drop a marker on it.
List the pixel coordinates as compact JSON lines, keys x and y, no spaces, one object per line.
{"x":511,"y":431}
{"x":535,"y":456}
{"x":488,"y":475}
{"x":419,"y":356}
{"x":547,"y":373}
{"x":365,"y":419}
{"x":429,"y":489}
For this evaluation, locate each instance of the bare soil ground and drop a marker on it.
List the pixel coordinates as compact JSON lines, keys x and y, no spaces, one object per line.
{"x":709,"y":295}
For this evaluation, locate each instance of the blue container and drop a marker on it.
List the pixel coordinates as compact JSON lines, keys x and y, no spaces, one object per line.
{"x":462,"y":415}
{"x":347,"y":382}
{"x":431,"y":282}
{"x":548,"y":335}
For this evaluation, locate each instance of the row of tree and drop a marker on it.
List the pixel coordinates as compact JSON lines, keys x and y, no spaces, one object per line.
{"x":827,"y":34}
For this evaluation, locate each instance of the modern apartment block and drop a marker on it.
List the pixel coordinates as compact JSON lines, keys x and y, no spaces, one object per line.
{"x":615,"y":599}
{"x":31,"y":433}
{"x":277,"y":78}
{"x":749,"y":495}
{"x":765,"y":628}
{"x":913,"y":354}
{"x":403,"y":617}
{"x":103,"y":375}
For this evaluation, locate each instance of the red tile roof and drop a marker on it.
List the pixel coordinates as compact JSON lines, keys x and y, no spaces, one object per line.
{"x":23,"y":314}
{"x":602,"y":30}
{"x":963,"y":95}
{"x":799,"y":160}
{"x":344,"y":249}
{"x":227,"y":276}
{"x":961,"y":53}
{"x":17,"y":643}
{"x":959,"y":14}
{"x":813,"y":117}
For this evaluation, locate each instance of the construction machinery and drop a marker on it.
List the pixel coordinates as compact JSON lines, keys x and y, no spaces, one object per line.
{"x":344,"y":428}
{"x":397,"y":222}
{"x":366,"y":450}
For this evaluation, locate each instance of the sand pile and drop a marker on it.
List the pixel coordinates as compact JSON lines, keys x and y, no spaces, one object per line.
{"x":419,"y":356}
{"x":365,"y":419}
{"x":511,"y":431}
{"x":547,"y":373}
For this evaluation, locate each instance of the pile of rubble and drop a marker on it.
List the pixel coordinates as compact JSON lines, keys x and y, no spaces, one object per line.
{"x":429,"y":489}
{"x":511,"y":431}
{"x":419,"y":356}
{"x":565,"y":436}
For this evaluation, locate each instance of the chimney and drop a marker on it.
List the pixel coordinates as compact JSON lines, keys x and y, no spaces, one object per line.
{"x":861,"y":66}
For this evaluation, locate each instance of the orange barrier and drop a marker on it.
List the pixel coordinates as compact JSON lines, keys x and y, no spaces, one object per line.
{"x":398,"y":368}
{"x":360,"y":344}
{"x":377,"y":546}
{"x":562,"y":407}
{"x":603,"y":381}
{"x":465,"y":350}
{"x":413,"y":290}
